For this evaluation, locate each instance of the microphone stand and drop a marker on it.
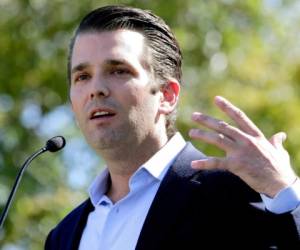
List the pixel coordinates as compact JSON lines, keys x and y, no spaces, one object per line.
{"x":17,"y":181}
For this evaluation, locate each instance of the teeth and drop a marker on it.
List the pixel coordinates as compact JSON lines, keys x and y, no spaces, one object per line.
{"x":100,"y":113}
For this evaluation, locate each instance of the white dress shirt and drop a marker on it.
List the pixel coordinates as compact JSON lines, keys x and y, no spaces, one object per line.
{"x":117,"y":226}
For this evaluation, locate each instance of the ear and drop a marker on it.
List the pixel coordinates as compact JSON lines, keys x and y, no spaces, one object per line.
{"x":169,"y":96}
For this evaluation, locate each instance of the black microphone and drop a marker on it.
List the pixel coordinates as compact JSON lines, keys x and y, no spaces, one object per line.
{"x":54,"y":144}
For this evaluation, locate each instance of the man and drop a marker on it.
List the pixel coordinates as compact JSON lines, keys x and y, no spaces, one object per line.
{"x":157,"y":191}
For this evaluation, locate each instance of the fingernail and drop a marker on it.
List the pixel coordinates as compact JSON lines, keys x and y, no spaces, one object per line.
{"x":218,"y":98}
{"x":193,"y":164}
{"x":196,"y":164}
{"x":192,"y":132}
{"x":196,"y":115}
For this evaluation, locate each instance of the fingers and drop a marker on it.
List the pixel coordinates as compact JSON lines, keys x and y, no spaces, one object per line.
{"x":277,"y":139}
{"x":263,"y":164}
{"x":217,"y":139}
{"x":238,"y":116}
{"x":209,"y":163}
{"x":217,"y":125}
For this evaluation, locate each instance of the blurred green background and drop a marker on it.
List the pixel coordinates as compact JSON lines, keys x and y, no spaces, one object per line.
{"x":247,"y":51}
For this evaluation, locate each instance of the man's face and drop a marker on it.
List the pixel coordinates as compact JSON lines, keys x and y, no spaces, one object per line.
{"x":111,"y":89}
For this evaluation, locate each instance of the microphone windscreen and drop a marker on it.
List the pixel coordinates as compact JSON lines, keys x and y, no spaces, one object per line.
{"x":56,"y":143}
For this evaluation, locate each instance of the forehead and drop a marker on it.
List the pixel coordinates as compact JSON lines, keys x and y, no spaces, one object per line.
{"x":91,"y":46}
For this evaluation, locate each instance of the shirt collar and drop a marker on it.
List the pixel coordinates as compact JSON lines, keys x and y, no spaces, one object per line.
{"x":98,"y":187}
{"x":164,"y":157}
{"x":156,"y":166}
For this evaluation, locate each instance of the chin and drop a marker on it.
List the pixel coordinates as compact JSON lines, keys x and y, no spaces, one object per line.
{"x":103,"y":142}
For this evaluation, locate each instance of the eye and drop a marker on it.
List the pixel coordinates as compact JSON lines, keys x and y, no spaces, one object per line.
{"x":120,"y":72}
{"x":81,"y":77}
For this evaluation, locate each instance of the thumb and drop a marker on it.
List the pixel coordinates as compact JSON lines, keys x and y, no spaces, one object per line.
{"x":277,"y":139}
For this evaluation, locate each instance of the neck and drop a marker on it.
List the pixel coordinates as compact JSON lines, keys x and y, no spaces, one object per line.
{"x":118,"y":187}
{"x":124,"y":160}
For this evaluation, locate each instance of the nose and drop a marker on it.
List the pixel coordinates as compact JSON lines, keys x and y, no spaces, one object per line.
{"x":99,"y":88}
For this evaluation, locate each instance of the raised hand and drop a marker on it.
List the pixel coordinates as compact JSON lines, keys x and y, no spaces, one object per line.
{"x":263,"y":164}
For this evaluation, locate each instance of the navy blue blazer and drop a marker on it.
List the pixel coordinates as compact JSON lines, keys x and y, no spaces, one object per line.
{"x":197,"y":210}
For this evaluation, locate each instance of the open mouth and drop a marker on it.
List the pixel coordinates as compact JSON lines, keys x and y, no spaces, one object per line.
{"x":101,"y":114}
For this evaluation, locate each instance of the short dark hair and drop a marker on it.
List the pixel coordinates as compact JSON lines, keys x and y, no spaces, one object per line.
{"x":165,"y":51}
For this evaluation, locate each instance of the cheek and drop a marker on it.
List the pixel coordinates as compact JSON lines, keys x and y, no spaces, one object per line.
{"x":73,"y":94}
{"x":130,"y":97}
{"x":79,"y":94}
{"x":146,"y":105}
{"x":140,"y":96}
{"x":76,"y":103}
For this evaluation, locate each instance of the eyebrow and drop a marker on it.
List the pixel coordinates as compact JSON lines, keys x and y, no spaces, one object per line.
{"x":107,"y":63}
{"x":79,"y":67}
{"x":116,"y":62}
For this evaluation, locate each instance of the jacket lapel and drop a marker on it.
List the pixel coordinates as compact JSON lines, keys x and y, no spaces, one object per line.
{"x":78,"y":227}
{"x":175,"y":191}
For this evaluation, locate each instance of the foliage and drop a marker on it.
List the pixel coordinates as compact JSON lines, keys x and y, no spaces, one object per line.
{"x":246,"y":51}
